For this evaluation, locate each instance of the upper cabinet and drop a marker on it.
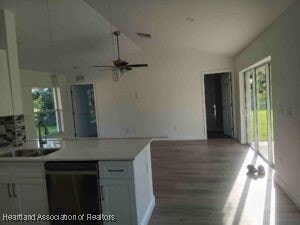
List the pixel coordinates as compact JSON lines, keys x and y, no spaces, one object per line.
{"x":9,"y":58}
{"x":6,"y":105}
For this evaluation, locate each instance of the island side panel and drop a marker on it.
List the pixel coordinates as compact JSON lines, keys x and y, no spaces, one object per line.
{"x":145,"y":199}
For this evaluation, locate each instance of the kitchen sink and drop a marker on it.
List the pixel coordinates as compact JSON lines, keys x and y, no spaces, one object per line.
{"x":29,"y":152}
{"x":41,"y":152}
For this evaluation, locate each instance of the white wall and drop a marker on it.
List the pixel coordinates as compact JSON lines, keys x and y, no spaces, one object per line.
{"x":162,"y":100}
{"x":30,"y":79}
{"x":281,"y":41}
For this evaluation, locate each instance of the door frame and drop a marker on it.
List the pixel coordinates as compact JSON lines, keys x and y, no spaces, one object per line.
{"x":243,"y":118}
{"x":203,"y":99}
{"x":96,"y":105}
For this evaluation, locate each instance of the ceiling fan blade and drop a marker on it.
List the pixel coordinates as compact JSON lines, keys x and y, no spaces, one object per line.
{"x":138,"y":65}
{"x":108,"y":69}
{"x":105,"y":66}
{"x":128,"y":68}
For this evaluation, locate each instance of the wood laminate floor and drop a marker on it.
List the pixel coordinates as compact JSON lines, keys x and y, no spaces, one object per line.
{"x":205,"y":182}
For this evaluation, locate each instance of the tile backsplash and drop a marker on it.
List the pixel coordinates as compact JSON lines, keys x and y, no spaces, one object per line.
{"x":12,"y":130}
{"x":2,"y":129}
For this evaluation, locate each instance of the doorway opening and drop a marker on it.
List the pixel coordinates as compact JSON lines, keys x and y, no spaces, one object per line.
{"x":259,"y":113}
{"x":84,"y":110}
{"x":218,"y":105}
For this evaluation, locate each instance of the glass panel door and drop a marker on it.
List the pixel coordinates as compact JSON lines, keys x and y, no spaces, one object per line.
{"x":250,"y":108}
{"x":84,"y":111}
{"x":270,"y":106}
{"x":262,"y":110}
{"x":259,"y":114}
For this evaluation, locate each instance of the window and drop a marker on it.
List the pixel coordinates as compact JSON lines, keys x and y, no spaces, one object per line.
{"x":47,"y":108}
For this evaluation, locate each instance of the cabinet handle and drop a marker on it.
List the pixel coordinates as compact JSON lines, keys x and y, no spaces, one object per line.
{"x":8,"y":190}
{"x":121,"y":170}
{"x":102,"y":192}
{"x":14,"y":191}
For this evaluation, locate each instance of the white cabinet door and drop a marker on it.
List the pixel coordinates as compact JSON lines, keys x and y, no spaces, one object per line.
{"x":6,"y":197}
{"x":118,"y":199}
{"x":6,"y":100}
{"x":31,"y":195}
{"x":23,"y":190}
{"x":6,"y":202}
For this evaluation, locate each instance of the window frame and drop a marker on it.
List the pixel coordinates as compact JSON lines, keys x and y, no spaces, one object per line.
{"x":57,"y":109}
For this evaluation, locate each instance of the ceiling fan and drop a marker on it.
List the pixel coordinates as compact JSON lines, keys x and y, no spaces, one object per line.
{"x":119,"y":64}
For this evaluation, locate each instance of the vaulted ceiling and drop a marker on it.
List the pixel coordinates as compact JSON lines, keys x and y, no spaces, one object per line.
{"x":81,"y":36}
{"x":82,"y":31}
{"x":222,"y":27}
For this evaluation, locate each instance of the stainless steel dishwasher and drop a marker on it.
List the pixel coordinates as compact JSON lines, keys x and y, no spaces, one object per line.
{"x":73,"y":190}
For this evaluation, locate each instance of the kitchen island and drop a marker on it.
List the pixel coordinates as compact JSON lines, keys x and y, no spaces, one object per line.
{"x":123,"y":168}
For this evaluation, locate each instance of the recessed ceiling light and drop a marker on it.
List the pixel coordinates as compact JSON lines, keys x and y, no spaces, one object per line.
{"x":190,"y":19}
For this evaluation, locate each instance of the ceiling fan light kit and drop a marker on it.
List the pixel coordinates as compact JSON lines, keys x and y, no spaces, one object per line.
{"x":120,"y":66}
{"x":116,"y":75}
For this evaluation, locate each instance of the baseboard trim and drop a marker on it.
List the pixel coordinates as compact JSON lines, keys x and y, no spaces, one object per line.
{"x":186,"y":138}
{"x":287,"y":190}
{"x":148,"y":213}
{"x":159,"y":138}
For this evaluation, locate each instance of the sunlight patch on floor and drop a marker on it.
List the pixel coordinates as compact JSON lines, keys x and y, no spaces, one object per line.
{"x":251,"y":201}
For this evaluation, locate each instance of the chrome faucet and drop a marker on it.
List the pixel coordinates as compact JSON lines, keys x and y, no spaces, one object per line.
{"x":41,"y":140}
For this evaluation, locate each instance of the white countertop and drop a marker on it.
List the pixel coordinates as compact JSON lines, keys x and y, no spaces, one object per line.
{"x":83,"y":150}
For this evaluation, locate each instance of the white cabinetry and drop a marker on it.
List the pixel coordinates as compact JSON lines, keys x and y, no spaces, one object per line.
{"x":118,"y":200}
{"x":23,"y":189}
{"x":6,"y":108}
{"x":126,"y":189}
{"x":6,"y":205}
{"x":117,"y":192}
{"x":31,"y":194}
